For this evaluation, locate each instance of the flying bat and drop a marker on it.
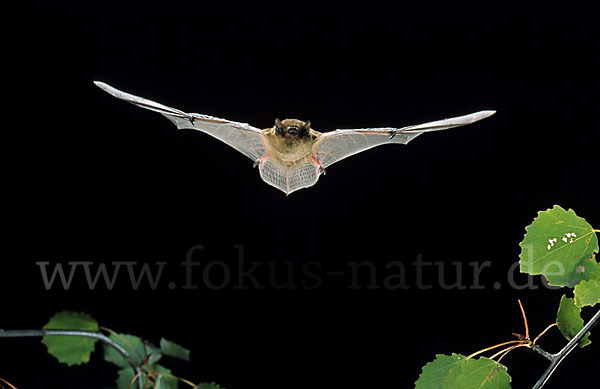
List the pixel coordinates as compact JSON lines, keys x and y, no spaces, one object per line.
{"x":291,"y":155}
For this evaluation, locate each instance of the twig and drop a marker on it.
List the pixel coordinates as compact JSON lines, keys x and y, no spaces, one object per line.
{"x":542,"y":352}
{"x":556,"y":359}
{"x":86,"y":334}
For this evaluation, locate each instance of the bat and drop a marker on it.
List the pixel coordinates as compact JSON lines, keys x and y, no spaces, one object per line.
{"x":291,"y":155}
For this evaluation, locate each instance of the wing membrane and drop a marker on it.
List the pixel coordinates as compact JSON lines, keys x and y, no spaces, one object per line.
{"x":244,"y":138}
{"x":336,"y":145}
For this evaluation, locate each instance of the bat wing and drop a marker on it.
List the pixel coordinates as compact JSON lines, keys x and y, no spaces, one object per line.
{"x":334,"y":146}
{"x":244,"y":138}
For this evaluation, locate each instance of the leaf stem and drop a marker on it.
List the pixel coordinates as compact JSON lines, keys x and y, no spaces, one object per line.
{"x":7,"y":383}
{"x":524,"y":320}
{"x":86,"y":334}
{"x":493,"y":347}
{"x":557,"y":358}
{"x":507,"y":350}
{"x":543,"y":332}
{"x":136,"y":377}
{"x":160,"y":373}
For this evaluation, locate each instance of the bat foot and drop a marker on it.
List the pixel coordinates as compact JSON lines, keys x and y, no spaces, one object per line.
{"x":261,"y":160}
{"x":319,"y":166}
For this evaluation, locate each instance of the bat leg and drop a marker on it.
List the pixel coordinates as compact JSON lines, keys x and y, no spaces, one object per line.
{"x":261,"y":160}
{"x":318,"y":164}
{"x":393,"y":133}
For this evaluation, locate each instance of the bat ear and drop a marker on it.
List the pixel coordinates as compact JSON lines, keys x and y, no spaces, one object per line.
{"x":278,"y":123}
{"x":307,"y":125}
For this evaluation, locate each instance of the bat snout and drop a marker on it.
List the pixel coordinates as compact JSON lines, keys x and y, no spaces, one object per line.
{"x":292,"y":131}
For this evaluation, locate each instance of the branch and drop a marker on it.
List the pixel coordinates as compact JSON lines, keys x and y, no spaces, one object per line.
{"x":557,"y":358}
{"x":87,"y":334}
{"x":542,"y":352}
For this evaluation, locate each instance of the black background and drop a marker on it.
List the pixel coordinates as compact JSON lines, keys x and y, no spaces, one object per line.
{"x":90,"y":178}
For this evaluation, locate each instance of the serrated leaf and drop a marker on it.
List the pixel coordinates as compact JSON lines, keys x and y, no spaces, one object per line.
{"x":435,"y":372}
{"x":72,"y":350}
{"x":161,"y":383}
{"x":167,"y":381}
{"x":135,"y":347}
{"x":126,"y":376}
{"x":588,"y":292}
{"x":132,"y":344}
{"x":482,"y":373}
{"x":569,"y":320}
{"x":208,"y":385}
{"x":174,"y":350}
{"x":456,"y":372}
{"x":559,"y":244}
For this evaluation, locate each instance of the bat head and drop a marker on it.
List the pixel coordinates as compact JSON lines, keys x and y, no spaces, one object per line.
{"x":292,"y":128}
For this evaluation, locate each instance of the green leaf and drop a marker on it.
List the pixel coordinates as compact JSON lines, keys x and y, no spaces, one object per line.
{"x":72,"y":350}
{"x":125,"y":377}
{"x":208,"y":385}
{"x":127,"y":374}
{"x":482,"y":373}
{"x":174,"y":350}
{"x":456,"y":372}
{"x":134,"y":345}
{"x":569,"y":320}
{"x":161,"y":383}
{"x":434,"y":373}
{"x":559,"y":245}
{"x":588,"y":292}
{"x":139,"y":351}
{"x":166,"y":381}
